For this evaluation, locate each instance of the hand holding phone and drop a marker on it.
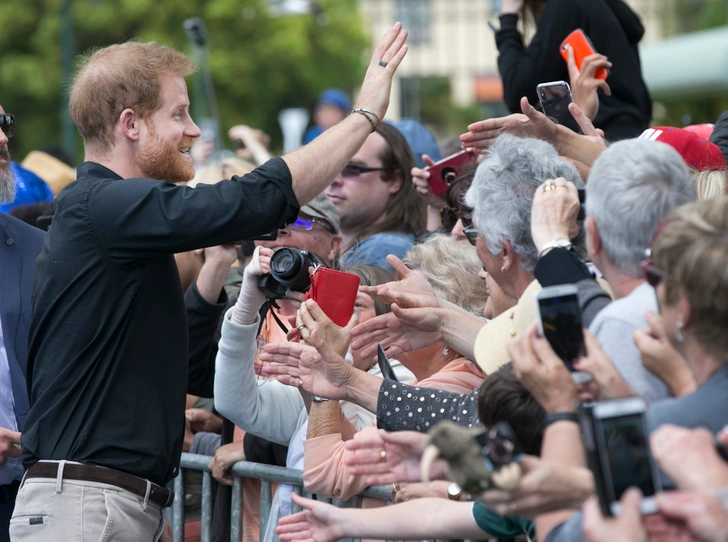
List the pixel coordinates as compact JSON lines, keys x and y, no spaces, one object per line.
{"x":560,"y":322}
{"x":555,"y":98}
{"x":445,"y":171}
{"x":615,"y":435}
{"x":582,"y":46}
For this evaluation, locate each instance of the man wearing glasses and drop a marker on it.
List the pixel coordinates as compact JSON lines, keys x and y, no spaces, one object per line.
{"x":380,"y":212}
{"x":19,"y":246}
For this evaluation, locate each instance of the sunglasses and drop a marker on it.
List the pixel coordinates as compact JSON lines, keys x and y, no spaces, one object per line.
{"x":352,"y":170}
{"x":653,"y":274}
{"x":306,"y":224}
{"x":449,"y":216}
{"x":7,"y":124}
{"x":471,"y":234}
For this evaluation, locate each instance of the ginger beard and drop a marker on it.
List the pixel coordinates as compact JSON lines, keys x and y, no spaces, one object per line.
{"x":7,"y":179}
{"x":163,"y":160}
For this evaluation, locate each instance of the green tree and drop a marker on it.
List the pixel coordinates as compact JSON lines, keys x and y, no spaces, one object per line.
{"x":259,"y":63}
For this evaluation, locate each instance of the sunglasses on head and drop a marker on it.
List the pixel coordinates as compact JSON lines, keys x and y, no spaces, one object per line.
{"x":306,"y":224}
{"x":7,"y":124}
{"x":653,"y":274}
{"x":471,"y":234}
{"x":449,"y":216}
{"x":352,"y":170}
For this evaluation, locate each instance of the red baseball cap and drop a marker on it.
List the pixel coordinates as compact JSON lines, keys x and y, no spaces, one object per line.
{"x":698,"y":153}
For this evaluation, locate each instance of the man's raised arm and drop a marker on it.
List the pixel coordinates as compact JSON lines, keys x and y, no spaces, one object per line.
{"x":315,"y":165}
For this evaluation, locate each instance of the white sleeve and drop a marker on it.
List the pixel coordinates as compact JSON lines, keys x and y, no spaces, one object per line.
{"x":269,"y":410}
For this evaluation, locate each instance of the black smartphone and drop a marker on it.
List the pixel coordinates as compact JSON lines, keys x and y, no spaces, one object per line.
{"x":559,"y":320}
{"x":616,"y":438}
{"x":555,"y":98}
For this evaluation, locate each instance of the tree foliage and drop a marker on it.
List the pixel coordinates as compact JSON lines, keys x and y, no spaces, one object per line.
{"x":259,"y":63}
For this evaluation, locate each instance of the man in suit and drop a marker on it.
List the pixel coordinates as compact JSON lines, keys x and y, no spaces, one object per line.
{"x":19,"y":246}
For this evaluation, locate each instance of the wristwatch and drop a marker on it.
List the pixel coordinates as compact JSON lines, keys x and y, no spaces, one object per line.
{"x":560,"y":417}
{"x":559,"y":242}
{"x":454,"y":492}
{"x":317,"y":399}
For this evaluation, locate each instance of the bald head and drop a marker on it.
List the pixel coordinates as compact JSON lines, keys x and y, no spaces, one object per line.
{"x":119,"y":77}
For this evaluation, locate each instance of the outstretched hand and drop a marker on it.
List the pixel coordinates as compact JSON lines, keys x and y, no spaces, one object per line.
{"x":385,"y":458}
{"x":315,"y":523}
{"x":402,"y":330}
{"x":531,"y":123}
{"x":298,"y":364}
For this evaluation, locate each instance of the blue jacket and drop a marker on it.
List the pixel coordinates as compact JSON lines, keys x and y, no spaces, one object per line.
{"x":20,"y":244}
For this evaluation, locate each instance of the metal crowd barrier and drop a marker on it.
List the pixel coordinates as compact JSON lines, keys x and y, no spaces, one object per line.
{"x":243,"y":469}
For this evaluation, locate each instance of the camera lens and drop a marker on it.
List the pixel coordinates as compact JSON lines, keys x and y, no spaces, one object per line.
{"x":285,"y":263}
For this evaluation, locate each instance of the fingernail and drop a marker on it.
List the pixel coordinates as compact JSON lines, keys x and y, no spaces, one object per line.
{"x":724,"y":430}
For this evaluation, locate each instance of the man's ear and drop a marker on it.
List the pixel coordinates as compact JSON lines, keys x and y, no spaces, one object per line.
{"x":593,"y":241}
{"x":395,"y":183}
{"x":130,"y":124}
{"x":335,"y":246}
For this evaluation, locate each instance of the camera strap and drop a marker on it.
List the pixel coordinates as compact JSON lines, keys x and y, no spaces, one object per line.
{"x":267,"y":307}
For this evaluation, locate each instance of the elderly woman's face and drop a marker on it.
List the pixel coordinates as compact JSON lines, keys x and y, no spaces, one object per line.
{"x":492,"y":264}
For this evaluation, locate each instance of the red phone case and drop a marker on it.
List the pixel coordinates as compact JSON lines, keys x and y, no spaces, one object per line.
{"x":442,"y":173}
{"x":335,"y":292}
{"x":582,"y":46}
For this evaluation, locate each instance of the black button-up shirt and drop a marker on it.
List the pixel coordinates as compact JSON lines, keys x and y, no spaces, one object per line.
{"x":107,"y":364}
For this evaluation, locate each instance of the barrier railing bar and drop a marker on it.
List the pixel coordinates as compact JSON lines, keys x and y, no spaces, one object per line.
{"x":236,"y":511}
{"x":265,"y":504}
{"x":178,"y":508}
{"x":206,"y":513}
{"x":244,"y":469}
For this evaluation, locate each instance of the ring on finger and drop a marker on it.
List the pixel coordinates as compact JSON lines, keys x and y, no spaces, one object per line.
{"x":383,"y":456}
{"x":383,"y":64}
{"x":300,"y":327}
{"x":548,"y":187}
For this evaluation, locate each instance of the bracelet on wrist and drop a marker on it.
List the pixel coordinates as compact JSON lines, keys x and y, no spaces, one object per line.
{"x":368,"y":115}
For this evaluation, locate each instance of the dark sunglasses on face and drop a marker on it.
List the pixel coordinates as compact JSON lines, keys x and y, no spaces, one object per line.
{"x":449,"y":216}
{"x":653,"y":274}
{"x":471,"y":234}
{"x":306,"y":224}
{"x":352,"y":170}
{"x":7,"y":125}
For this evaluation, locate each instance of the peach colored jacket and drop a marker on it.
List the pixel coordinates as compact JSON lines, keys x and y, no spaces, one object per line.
{"x":324,"y":471}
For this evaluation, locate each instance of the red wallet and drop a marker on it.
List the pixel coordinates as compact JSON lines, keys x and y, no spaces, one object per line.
{"x":335,"y":292}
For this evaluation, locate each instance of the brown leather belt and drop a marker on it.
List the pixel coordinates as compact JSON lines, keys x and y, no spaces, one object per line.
{"x":158,"y":495}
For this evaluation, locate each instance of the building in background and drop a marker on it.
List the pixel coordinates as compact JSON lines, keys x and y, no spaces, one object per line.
{"x":452,"y":58}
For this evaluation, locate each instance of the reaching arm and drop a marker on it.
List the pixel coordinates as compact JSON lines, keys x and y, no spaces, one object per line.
{"x":315,"y":165}
{"x":415,"y":520}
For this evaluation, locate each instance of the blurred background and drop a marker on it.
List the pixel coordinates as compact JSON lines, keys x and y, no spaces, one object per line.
{"x":259,"y":57}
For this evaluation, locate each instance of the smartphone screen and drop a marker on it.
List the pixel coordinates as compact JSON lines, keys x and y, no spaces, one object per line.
{"x":561,"y":325}
{"x":555,"y":99}
{"x":627,"y":456}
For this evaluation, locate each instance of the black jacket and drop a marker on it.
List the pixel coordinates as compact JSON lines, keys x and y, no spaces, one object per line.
{"x":614,"y":29}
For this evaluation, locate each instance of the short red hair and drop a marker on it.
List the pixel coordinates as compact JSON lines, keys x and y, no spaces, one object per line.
{"x":118,"y":77}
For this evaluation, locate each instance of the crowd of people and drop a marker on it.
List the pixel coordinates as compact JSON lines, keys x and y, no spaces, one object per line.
{"x":155,"y":316}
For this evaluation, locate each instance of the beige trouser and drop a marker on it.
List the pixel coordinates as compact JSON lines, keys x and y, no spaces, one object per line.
{"x":49,"y":509}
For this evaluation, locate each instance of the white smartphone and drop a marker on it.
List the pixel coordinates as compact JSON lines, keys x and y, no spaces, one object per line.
{"x":621,"y":438}
{"x":555,"y":98}
{"x":559,"y":320}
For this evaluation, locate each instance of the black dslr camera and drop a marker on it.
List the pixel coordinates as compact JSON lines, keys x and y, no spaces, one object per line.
{"x":289,"y":271}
